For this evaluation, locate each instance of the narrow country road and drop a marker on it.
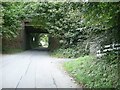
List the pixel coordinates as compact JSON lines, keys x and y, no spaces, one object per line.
{"x":34,"y":69}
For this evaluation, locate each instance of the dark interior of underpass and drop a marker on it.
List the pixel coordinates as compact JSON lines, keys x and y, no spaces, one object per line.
{"x":36,"y":39}
{"x":39,"y":39}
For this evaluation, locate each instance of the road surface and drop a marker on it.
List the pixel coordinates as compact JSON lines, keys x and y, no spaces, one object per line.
{"x":34,"y":69}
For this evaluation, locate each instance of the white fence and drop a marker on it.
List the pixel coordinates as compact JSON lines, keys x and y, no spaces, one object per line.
{"x":108,"y":48}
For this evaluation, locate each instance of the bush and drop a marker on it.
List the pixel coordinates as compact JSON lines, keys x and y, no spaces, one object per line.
{"x":110,"y":57}
{"x":64,"y":53}
{"x":73,"y":52}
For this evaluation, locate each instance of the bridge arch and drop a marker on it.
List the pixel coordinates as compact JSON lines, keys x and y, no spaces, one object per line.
{"x":53,"y":42}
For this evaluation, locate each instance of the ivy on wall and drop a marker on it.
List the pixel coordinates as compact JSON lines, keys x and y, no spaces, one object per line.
{"x":72,"y":22}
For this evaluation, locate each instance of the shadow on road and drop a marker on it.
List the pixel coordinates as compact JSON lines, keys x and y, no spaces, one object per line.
{"x":40,"y":49}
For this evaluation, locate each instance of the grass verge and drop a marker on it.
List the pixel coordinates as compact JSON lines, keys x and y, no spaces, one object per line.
{"x":93,"y":73}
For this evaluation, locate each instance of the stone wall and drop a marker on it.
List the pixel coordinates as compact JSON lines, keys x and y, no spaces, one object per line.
{"x":93,"y":48}
{"x":9,"y":44}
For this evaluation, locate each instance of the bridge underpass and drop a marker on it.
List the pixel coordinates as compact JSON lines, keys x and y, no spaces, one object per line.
{"x":32,"y":39}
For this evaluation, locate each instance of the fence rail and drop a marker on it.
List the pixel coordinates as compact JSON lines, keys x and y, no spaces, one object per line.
{"x":108,"y":48}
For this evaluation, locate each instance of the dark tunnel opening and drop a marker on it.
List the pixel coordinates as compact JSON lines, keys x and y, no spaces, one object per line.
{"x":36,"y":39}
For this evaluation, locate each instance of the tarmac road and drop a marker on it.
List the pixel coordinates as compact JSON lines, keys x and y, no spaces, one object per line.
{"x":34,"y":69}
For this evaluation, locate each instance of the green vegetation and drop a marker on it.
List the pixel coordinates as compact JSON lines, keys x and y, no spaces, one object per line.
{"x":72,"y":22}
{"x":72,"y":52}
{"x":93,"y":72}
{"x":43,"y":40}
{"x":76,"y":24}
{"x":63,"y":53}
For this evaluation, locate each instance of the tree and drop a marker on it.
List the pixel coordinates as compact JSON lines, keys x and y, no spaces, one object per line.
{"x":71,"y":22}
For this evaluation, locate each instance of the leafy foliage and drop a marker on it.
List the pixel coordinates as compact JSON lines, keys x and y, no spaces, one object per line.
{"x":72,"y":22}
{"x":12,"y":13}
{"x":74,"y":51}
{"x":111,"y":58}
{"x":93,"y":73}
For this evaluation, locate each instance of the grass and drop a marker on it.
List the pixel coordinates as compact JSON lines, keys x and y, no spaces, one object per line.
{"x":93,"y":73}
